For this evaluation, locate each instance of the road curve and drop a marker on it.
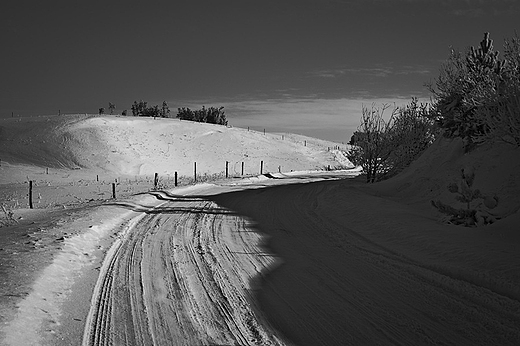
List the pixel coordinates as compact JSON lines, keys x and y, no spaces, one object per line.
{"x":181,"y":274}
{"x":357,"y":269}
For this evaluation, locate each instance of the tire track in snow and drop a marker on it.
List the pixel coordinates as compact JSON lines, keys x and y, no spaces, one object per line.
{"x":345,"y":271}
{"x":181,"y":274}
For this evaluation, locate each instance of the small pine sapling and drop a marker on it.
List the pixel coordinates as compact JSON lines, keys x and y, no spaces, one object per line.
{"x":468,"y":216}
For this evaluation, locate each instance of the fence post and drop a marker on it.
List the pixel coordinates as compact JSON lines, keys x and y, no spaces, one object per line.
{"x":30,"y":194}
{"x":242,"y":168}
{"x":47,"y":170}
{"x":114,"y":190}
{"x":305,"y":143}
{"x":175,"y":178}
{"x":261,"y":167}
{"x":227,"y":164}
{"x":195,"y":171}
{"x":155,"y":180}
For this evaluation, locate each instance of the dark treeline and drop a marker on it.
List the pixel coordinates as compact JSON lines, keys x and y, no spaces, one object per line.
{"x":212,"y":115}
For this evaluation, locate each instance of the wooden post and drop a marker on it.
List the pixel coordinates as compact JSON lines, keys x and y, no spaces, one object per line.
{"x":176,"y":178}
{"x":227,"y":165}
{"x":328,"y":168}
{"x":195,"y":171}
{"x":97,"y":177}
{"x":114,"y":190}
{"x":264,"y":131}
{"x":279,"y":169}
{"x":305,"y":143}
{"x":155,"y":180}
{"x":261,"y":167}
{"x":30,"y":194}
{"x":242,"y":167}
{"x":47,"y":170}
{"x":248,"y":129}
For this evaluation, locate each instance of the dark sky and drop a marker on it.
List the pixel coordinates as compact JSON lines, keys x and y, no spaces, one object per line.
{"x":76,"y":56}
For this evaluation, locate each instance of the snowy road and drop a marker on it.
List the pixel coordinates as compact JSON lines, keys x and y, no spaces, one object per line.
{"x":332,"y":272}
{"x":181,"y":275}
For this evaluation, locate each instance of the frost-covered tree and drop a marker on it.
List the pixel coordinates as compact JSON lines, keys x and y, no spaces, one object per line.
{"x":477,"y":94}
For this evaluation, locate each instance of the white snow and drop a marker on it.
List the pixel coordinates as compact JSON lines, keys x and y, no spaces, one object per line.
{"x":361,"y":262}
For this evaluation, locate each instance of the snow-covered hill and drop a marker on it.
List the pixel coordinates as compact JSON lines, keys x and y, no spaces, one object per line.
{"x":143,"y":146}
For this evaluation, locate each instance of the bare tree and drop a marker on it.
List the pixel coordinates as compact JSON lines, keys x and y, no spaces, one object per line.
{"x":372,"y":150}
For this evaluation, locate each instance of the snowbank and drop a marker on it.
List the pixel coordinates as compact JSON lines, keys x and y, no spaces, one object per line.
{"x":496,"y":167}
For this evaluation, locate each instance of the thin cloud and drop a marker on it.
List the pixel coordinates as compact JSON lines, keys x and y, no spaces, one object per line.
{"x":335,"y":73}
{"x":380,"y":72}
{"x":408,"y":70}
{"x":469,"y":12}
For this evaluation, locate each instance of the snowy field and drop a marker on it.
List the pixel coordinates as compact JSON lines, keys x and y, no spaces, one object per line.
{"x":298,"y":255}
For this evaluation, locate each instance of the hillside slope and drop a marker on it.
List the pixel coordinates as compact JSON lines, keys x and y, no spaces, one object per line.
{"x":37,"y":140}
{"x":143,"y":146}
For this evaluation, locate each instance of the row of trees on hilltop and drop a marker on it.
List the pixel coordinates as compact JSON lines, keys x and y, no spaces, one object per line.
{"x":205,"y":115}
{"x":141,"y":109}
{"x":211,"y":115}
{"x":476,"y":98}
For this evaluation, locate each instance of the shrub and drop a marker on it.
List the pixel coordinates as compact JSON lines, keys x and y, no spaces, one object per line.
{"x":370,"y":149}
{"x":384,"y":148}
{"x":411,"y":133}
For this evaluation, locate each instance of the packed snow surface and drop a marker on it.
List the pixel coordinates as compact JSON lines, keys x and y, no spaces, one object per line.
{"x":297,"y":255}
